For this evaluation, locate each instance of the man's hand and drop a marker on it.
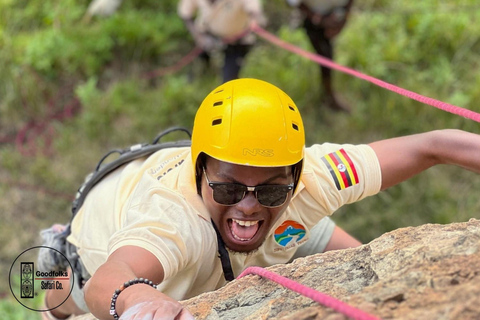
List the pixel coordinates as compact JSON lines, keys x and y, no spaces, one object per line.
{"x":155,"y":308}
{"x":206,"y":42}
{"x":137,"y":301}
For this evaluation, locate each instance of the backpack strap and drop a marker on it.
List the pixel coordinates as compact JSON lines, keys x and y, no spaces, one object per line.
{"x":125,"y":156}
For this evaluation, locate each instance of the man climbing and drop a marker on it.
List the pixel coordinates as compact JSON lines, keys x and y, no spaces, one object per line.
{"x":216,"y":24}
{"x":323,"y":21}
{"x":186,"y":220}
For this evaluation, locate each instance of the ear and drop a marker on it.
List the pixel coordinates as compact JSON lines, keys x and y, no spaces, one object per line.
{"x":201,"y":163}
{"x":297,"y":173}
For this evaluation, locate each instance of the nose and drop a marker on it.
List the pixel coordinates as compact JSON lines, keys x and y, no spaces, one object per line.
{"x":249,"y":205}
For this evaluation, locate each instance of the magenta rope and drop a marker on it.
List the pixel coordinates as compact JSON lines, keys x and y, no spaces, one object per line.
{"x":176,"y":67}
{"x":321,"y":298}
{"x":329,"y":63}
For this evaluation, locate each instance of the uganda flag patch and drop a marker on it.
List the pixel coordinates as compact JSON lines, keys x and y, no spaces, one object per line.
{"x":341,"y":168}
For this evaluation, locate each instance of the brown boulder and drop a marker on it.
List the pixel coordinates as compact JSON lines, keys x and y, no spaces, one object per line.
{"x":426,"y":272}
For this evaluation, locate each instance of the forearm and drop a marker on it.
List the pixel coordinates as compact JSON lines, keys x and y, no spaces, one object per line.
{"x":341,"y":240}
{"x":125,"y":264}
{"x":137,"y":300}
{"x":190,"y":25}
{"x":100,"y":288}
{"x":202,"y":40}
{"x":458,"y":148}
{"x":402,"y":158}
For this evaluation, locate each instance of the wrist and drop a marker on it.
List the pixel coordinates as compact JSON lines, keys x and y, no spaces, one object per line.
{"x":117,"y":308}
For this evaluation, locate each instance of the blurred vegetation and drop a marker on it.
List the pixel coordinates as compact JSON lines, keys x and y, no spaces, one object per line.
{"x":51,"y":59}
{"x":11,"y":309}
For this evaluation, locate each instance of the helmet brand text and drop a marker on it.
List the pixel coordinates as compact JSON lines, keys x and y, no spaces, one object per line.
{"x":258,"y":152}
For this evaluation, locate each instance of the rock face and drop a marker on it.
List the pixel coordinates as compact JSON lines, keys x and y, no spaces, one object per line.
{"x":426,"y":272}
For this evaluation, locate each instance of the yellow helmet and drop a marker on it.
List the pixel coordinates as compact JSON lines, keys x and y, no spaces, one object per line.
{"x":249,"y":122}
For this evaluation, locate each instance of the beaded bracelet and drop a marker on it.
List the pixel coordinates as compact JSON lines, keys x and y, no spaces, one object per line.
{"x":127,"y":284}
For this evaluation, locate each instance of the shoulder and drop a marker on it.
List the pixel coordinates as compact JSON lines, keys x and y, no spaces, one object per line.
{"x":328,"y":156}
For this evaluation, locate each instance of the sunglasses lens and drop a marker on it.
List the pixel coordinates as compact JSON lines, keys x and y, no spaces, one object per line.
{"x":228,"y":193}
{"x":271,"y":195}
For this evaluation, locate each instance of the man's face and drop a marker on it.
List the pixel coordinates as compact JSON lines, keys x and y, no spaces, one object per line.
{"x":244,"y":225}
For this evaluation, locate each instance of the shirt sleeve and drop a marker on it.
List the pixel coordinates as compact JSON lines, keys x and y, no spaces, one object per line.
{"x":335,"y":174}
{"x":161,"y":222}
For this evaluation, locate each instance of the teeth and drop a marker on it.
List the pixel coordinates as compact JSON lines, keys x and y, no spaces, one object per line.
{"x":244,"y":223}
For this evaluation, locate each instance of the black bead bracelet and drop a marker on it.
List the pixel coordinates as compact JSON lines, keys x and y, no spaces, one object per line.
{"x":127,"y":284}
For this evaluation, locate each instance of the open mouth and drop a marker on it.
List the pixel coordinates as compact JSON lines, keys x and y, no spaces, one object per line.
{"x":243,"y":230}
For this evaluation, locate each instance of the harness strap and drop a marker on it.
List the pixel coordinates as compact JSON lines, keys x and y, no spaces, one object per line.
{"x":126,"y":155}
{"x":224,"y":256}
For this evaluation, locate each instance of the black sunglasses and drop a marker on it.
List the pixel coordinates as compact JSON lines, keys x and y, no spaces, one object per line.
{"x":268,"y":195}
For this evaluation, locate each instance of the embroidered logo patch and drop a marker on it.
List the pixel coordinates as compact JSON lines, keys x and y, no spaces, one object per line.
{"x":289,"y":232}
{"x":341,"y":168}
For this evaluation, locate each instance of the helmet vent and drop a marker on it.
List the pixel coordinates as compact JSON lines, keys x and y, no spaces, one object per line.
{"x":216,"y":122}
{"x":291,"y":108}
{"x":218,"y":91}
{"x":218,"y":103}
{"x":294,"y":126}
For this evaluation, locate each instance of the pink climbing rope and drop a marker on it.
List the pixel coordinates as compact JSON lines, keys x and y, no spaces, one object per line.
{"x":185,"y":60}
{"x":321,"y":298}
{"x":330,"y":64}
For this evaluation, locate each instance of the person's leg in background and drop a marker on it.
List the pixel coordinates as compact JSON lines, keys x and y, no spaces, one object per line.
{"x":234,"y":59}
{"x":200,"y":67}
{"x":323,"y":46}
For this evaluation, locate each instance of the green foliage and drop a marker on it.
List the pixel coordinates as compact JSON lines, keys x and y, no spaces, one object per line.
{"x":53,"y":38}
{"x":12,"y":310}
{"x":144,"y":34}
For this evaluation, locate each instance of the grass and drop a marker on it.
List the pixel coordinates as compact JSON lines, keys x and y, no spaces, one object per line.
{"x":11,"y":309}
